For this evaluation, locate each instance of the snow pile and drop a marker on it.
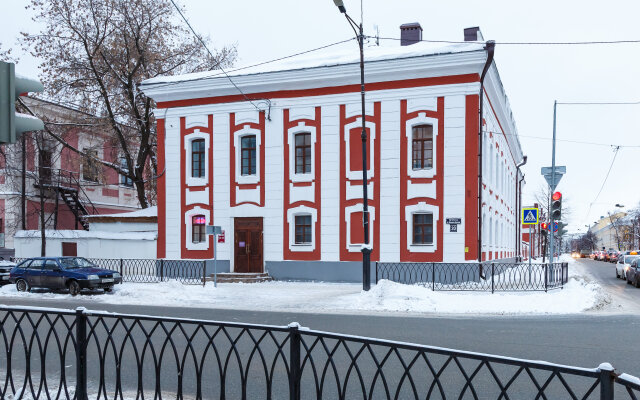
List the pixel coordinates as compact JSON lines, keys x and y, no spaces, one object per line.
{"x":578,"y":295}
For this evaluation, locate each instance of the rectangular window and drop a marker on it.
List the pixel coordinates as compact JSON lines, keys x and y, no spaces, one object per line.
{"x":422,"y":228}
{"x":303,"y":153}
{"x":90,"y":167}
{"x":422,"y":147}
{"x":303,"y":229}
{"x":198,"y":223}
{"x":124,"y":179}
{"x":197,"y":158}
{"x":248,"y":155}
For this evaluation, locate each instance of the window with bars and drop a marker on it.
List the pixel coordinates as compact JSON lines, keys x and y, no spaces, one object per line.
{"x":303,"y":229}
{"x":303,"y":153}
{"x":198,"y":223}
{"x":197,"y":158}
{"x":124,"y":179}
{"x":422,"y":228}
{"x":422,"y":147}
{"x":248,"y":155}
{"x":90,"y":167}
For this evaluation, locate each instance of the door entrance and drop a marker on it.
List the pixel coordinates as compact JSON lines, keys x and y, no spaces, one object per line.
{"x":248,"y":245}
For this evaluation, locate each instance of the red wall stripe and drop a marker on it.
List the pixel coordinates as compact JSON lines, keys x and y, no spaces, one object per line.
{"x":471,"y":226}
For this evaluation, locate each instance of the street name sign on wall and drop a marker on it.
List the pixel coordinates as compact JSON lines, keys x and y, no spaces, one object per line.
{"x":529,"y":216}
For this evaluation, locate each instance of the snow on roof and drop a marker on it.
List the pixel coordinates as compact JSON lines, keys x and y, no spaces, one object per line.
{"x":346,"y":55}
{"x":78,"y":234}
{"x":143,"y":212}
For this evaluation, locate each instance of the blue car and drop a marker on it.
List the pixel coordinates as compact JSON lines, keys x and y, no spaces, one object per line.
{"x":59,"y":273}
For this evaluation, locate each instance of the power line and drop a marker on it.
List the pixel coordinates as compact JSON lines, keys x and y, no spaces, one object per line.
{"x":594,"y":42}
{"x":569,"y":140}
{"x":615,"y":154}
{"x":211,"y":55}
{"x":593,"y":103}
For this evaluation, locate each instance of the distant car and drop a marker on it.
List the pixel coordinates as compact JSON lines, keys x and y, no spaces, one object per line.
{"x":592,"y":255}
{"x":623,"y":264}
{"x":601,"y":256}
{"x":633,"y":275}
{"x":58,"y":273}
{"x":613,"y":256}
{"x":5,"y":270}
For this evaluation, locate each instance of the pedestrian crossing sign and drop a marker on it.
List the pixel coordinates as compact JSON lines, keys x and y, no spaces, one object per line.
{"x":529,"y":216}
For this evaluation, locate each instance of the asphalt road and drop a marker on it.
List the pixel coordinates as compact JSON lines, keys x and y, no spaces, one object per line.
{"x":584,"y":340}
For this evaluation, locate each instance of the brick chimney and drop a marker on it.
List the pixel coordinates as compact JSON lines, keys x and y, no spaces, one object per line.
{"x":473,"y":34}
{"x":410,"y":33}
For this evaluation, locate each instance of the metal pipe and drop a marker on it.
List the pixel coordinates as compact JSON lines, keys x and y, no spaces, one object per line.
{"x":490,"y":47}
{"x":518,"y":205}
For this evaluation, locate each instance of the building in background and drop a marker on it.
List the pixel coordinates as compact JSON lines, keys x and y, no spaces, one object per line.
{"x":615,"y":232}
{"x":282,"y":173}
{"x":69,"y":186}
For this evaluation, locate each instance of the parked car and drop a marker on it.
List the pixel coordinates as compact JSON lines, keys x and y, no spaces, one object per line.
{"x":633,"y":275}
{"x":623,"y":264}
{"x":57,"y":273}
{"x":5,"y":270}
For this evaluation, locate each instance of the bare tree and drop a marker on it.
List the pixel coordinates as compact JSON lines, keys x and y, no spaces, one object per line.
{"x":95,"y":54}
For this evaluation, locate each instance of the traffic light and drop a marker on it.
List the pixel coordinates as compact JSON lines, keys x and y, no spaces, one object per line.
{"x":556,"y":206}
{"x":13,"y":124}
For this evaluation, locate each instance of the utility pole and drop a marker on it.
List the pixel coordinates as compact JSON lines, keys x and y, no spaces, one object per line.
{"x":553,"y":180}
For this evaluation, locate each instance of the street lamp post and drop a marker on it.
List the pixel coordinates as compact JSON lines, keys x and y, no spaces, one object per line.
{"x":366,"y":248}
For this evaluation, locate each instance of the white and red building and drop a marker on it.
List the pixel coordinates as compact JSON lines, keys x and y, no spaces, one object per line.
{"x":282,"y":173}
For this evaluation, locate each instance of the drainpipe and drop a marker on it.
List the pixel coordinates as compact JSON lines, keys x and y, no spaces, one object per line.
{"x":490,"y":47}
{"x":519,"y":205}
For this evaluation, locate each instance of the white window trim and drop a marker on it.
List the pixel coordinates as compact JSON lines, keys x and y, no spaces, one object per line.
{"x":357,"y":247}
{"x":421,"y":208}
{"x":291,"y":218}
{"x":237,"y":142}
{"x":421,"y":119}
{"x":190,"y":180}
{"x":357,"y":175}
{"x":291,"y":133}
{"x":188,"y":221}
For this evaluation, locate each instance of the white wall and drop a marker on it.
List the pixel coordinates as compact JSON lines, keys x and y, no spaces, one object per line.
{"x":88,"y":247}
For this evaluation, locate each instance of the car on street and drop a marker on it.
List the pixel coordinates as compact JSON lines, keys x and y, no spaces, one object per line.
{"x":633,"y":275}
{"x":601,"y":256}
{"x":623,"y":264}
{"x":59,"y":273}
{"x":613,"y":256}
{"x":5,"y":270}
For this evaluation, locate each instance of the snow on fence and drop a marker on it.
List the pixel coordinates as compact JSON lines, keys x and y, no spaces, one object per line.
{"x":190,"y":272}
{"x":477,"y":276}
{"x":66,"y":354}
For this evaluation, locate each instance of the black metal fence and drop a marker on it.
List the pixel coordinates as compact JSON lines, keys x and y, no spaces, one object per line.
{"x":190,"y":272}
{"x":477,"y":276}
{"x":62,"y":354}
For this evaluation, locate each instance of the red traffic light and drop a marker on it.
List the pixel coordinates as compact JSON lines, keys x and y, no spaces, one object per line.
{"x":556,"y":196}
{"x":543,"y":225}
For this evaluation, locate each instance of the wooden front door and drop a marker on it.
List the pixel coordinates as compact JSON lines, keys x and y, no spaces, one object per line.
{"x":248,"y":245}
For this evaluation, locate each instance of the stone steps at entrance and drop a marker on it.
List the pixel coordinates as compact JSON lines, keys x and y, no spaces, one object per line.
{"x":231,"y":277}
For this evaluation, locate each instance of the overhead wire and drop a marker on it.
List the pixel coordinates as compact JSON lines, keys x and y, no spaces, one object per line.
{"x":615,"y":154}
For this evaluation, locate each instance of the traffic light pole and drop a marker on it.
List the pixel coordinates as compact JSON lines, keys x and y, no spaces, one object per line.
{"x":553,"y":180}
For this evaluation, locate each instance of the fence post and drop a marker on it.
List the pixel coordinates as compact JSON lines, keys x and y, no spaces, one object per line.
{"x":492,"y":280}
{"x":546,"y":276}
{"x":204,"y":272}
{"x":376,"y":272}
{"x":607,"y":378}
{"x":162,"y":270}
{"x":121,"y":269}
{"x":81,"y":354}
{"x":294,"y":361}
{"x":433,"y":277}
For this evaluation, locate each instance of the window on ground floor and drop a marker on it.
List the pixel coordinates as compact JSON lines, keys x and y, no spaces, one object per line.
{"x":198,"y":223}
{"x":422,"y":228}
{"x":303,"y":229}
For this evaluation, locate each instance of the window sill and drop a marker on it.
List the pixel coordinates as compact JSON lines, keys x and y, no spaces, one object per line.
{"x":302,"y":244}
{"x":422,"y":244}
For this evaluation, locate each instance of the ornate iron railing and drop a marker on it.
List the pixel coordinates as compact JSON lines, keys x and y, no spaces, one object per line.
{"x":62,"y":354}
{"x":477,"y":276}
{"x":189,"y":272}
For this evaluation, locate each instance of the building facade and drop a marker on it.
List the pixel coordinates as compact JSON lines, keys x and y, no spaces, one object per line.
{"x":68,"y":181}
{"x":279,"y":167}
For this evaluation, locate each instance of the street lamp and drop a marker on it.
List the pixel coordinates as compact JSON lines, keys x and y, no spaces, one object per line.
{"x":366,"y":249}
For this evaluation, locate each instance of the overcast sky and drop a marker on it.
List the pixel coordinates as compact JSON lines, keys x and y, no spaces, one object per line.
{"x":534,"y":76}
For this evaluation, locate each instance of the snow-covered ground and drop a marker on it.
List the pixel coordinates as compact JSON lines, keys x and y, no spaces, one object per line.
{"x":579,"y":294}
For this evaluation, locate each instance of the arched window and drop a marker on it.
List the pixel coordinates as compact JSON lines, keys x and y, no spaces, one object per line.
{"x":490,"y":178}
{"x":497,"y":172}
{"x":303,"y":153}
{"x":197,"y":158}
{"x":422,"y":147}
{"x":198,"y":223}
{"x":248,"y":154}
